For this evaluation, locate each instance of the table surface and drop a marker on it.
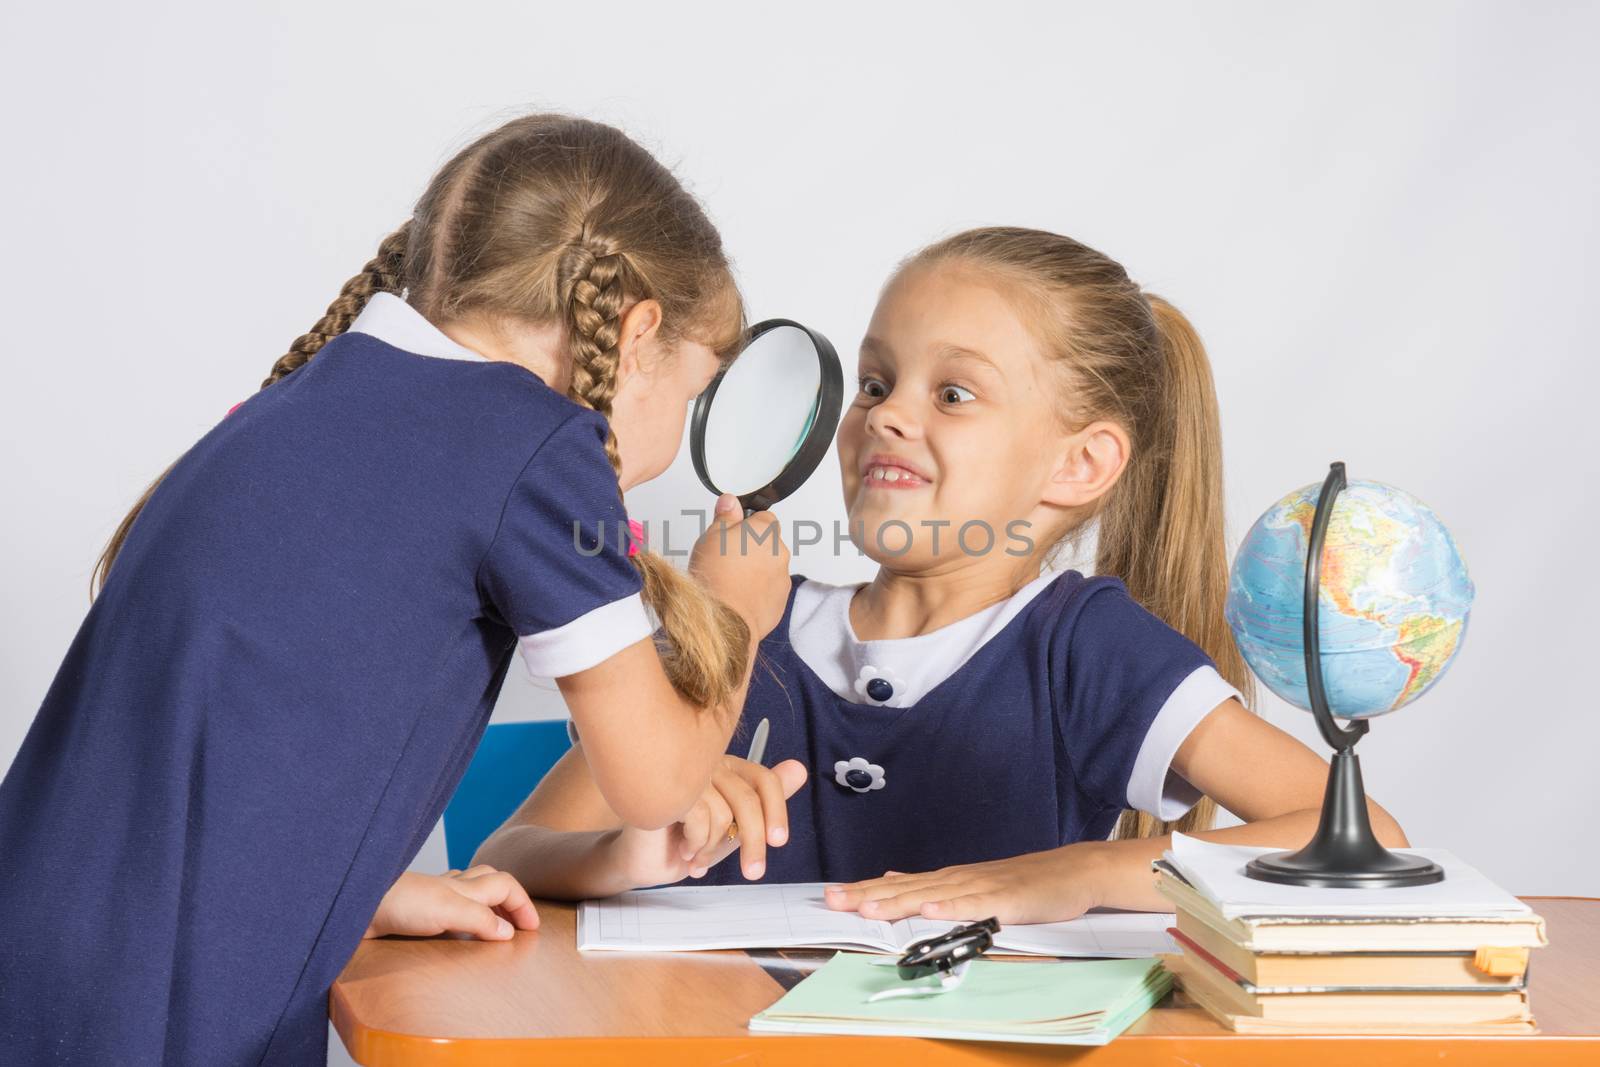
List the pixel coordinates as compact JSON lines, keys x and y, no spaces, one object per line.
{"x":537,"y":999}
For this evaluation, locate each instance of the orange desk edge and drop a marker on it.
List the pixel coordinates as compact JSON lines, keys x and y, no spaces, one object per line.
{"x":536,"y":999}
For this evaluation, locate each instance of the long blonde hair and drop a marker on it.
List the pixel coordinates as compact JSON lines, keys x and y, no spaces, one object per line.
{"x":553,"y":219}
{"x":1130,"y":357}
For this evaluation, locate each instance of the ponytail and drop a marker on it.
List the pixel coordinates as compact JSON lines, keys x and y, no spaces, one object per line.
{"x":382,"y":273}
{"x":1161,"y":531}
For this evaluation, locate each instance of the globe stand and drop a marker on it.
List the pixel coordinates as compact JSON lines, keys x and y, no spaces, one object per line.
{"x":1344,"y":854}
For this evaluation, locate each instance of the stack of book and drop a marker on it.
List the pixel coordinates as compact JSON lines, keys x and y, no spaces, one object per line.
{"x":1447,"y":958}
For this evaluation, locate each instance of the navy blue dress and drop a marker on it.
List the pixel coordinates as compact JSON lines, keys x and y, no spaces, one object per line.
{"x":1029,"y":745}
{"x":268,"y":706}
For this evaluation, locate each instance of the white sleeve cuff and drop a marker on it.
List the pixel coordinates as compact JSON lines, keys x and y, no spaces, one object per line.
{"x":1154,"y":786}
{"x":591,"y":638}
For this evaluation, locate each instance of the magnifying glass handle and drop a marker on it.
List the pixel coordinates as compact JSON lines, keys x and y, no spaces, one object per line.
{"x":757,"y":501}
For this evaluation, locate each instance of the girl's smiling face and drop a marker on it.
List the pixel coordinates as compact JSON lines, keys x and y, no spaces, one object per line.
{"x":955,"y":422}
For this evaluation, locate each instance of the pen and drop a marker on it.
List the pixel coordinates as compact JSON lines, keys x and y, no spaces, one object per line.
{"x":758,"y":744}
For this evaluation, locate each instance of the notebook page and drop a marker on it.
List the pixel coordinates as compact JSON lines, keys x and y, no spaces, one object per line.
{"x":1105,"y":934}
{"x":685,"y":918}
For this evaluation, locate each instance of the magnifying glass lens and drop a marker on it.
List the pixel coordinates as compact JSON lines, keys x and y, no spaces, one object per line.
{"x":764,"y":424}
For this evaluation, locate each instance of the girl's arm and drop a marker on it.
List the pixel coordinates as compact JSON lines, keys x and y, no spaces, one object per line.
{"x":650,"y":751}
{"x":566,"y":843}
{"x":1255,"y":770}
{"x":1247,"y":765}
{"x":560,"y":843}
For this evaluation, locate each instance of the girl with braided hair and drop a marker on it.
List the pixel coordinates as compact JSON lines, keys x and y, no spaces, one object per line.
{"x":302,"y":627}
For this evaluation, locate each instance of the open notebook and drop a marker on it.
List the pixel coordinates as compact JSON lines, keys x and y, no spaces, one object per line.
{"x":691,"y":918}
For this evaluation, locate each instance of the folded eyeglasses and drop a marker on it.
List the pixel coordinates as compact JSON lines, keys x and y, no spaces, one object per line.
{"x":945,"y":957}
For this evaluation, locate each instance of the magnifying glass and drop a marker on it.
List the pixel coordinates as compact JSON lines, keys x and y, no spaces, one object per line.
{"x":765,"y":422}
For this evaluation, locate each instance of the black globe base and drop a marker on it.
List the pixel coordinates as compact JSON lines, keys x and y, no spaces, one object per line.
{"x":1296,"y":868}
{"x":1344,"y":854}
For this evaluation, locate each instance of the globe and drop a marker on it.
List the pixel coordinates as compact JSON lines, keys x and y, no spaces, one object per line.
{"x":1392,"y":603}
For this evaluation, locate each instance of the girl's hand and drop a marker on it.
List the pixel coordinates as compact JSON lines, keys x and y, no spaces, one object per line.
{"x":1035,"y":888}
{"x":745,"y":564}
{"x":480,"y":901}
{"x":740,"y":791}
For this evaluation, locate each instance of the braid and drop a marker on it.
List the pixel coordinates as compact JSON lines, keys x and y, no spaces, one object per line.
{"x":703,"y":643}
{"x":594,"y":300}
{"x":382,"y":274}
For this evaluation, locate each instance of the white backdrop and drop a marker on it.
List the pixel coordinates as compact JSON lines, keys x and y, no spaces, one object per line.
{"x":1381,"y":218}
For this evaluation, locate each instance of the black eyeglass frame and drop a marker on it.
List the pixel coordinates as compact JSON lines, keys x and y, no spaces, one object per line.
{"x":945,"y":952}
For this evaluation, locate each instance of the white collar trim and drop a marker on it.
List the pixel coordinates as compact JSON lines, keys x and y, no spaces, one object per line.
{"x":821,"y":634}
{"x":395,"y":322}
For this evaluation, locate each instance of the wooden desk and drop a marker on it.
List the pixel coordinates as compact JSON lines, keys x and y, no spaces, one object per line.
{"x":536,"y":1000}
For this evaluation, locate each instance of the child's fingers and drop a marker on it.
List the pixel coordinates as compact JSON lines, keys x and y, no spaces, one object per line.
{"x":844,"y":897}
{"x":760,"y":522}
{"x":471,"y":872}
{"x":726,"y":513}
{"x":791,"y":775}
{"x":840,"y":899}
{"x":890,"y":884}
{"x":504,"y":893}
{"x":774,"y":812}
{"x":910,"y":902}
{"x":747,"y":805}
{"x":967,"y":908}
{"x":457,"y":912}
{"x":721,"y":817}
{"x":696,"y":828}
{"x":497,"y":889}
{"x":851,"y":895}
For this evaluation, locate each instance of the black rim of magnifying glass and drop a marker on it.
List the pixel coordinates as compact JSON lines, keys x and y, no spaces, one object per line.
{"x":830,"y":396}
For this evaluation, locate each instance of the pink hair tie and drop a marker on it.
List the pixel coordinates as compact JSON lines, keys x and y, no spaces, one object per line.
{"x":635,"y":537}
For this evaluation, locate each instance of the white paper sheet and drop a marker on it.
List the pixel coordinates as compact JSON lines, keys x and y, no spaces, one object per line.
{"x":690,"y":918}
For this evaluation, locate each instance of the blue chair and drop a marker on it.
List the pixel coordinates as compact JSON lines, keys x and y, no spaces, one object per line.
{"x":510,"y":760}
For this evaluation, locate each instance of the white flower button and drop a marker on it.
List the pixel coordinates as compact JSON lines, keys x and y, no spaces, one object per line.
{"x":878,"y":684}
{"x":859,"y":775}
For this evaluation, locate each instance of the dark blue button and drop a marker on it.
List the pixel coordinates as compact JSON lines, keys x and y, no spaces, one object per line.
{"x":857,"y":779}
{"x":880,"y":689}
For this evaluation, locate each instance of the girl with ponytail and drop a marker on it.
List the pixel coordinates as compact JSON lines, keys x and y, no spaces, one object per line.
{"x":1020,"y":740}
{"x":301,"y":628}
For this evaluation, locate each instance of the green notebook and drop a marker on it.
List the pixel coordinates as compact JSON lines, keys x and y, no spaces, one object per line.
{"x":1072,"y":1003}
